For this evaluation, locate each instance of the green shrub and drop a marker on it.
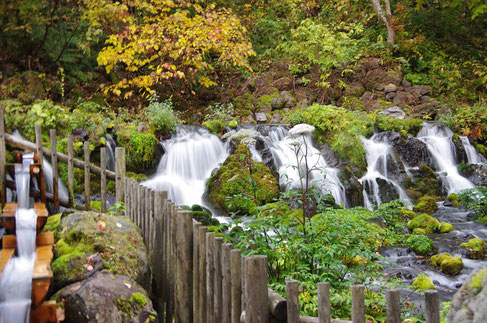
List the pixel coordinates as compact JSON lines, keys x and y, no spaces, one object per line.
{"x":420,"y":244}
{"x":140,"y":147}
{"x":475,"y":200}
{"x":162,"y":115}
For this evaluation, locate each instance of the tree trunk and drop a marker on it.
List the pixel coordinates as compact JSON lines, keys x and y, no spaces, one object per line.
{"x":385,"y":16}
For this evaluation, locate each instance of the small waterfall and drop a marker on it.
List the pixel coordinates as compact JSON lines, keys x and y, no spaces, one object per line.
{"x":380,"y":161}
{"x":284,"y":147}
{"x":473,"y":157}
{"x":190,"y":156}
{"x":111,"y":145}
{"x":438,"y":139}
{"x":16,"y":279}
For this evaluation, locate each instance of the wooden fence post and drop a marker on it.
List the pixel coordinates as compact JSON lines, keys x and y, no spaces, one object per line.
{"x":432,"y":304}
{"x":236,"y":271}
{"x":151,"y":221}
{"x":196,"y":271}
{"x":210,"y":277}
{"x":87,"y":175}
{"x":3,"y":161}
{"x":292,"y":301}
{"x":184,"y":267}
{"x":218,"y":279}
{"x":358,"y":306}
{"x":202,"y":280}
{"x":55,"y":176}
{"x":393,"y":306}
{"x":40,"y":155}
{"x":128,"y":202}
{"x":256,"y":294}
{"x":147,"y":210}
{"x":324,"y":308}
{"x":103,"y":180}
{"x":119,"y":173}
{"x":157,"y":258}
{"x":226,"y":283}
{"x":70,"y":170}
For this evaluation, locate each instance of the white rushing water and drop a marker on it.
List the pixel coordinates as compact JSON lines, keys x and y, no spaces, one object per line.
{"x":473,"y":157}
{"x":190,"y":156}
{"x":441,"y":148}
{"x":111,"y":145}
{"x":16,"y":279}
{"x":378,"y":155}
{"x":292,"y":152}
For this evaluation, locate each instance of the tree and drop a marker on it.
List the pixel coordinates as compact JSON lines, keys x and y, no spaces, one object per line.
{"x":161,"y":40}
{"x":385,"y":15}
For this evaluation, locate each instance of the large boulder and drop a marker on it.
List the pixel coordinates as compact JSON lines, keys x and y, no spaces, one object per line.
{"x":88,"y":242}
{"x":105,"y":298}
{"x":353,"y":188}
{"x":468,"y":303}
{"x":476,"y":173}
{"x":412,"y":151}
{"x":425,"y":222}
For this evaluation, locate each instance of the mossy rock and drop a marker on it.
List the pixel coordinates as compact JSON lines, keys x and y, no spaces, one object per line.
{"x":453,"y":199}
{"x":420,"y":244}
{"x":452,"y":266}
{"x":137,"y":177}
{"x":476,"y":248}
{"x":407,"y":213}
{"x":424,"y":183}
{"x":446,"y":227}
{"x":419,"y":231}
{"x":426,"y":204}
{"x":437,"y":259}
{"x":424,"y":221}
{"x":52,"y":223}
{"x":478,"y":279}
{"x":241,"y":184}
{"x":113,"y":241}
{"x":423,"y":282}
{"x":140,"y":148}
{"x":215,"y":126}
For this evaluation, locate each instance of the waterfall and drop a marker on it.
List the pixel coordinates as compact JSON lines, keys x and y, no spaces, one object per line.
{"x":190,"y":156}
{"x":380,"y":168}
{"x":111,"y":145}
{"x":284,"y":148}
{"x":438,"y":139}
{"x":473,"y":157}
{"x":16,"y":279}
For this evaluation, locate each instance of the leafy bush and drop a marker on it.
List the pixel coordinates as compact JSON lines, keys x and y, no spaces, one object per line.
{"x":420,"y":243}
{"x":162,"y":115}
{"x":475,"y":200}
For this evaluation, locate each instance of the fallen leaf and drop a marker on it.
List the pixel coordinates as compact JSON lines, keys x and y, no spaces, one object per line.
{"x":101,"y":225}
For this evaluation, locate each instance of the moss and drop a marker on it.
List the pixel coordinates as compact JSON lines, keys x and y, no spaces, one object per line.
{"x":424,"y":221}
{"x":419,"y":231}
{"x":95,"y":205}
{"x":215,"y":126}
{"x":423,"y":282}
{"x":453,"y":198}
{"x":233,"y":124}
{"x":451,"y":265}
{"x":424,"y":183}
{"x":446,"y":227}
{"x":140,"y":147}
{"x":241,"y":184}
{"x":52,"y":223}
{"x":437,"y":259}
{"x":407,"y":213}
{"x":136,"y":176}
{"x":478,"y":279}
{"x":476,"y":248}
{"x":426,"y":204}
{"x":420,"y":244}
{"x":139,"y":299}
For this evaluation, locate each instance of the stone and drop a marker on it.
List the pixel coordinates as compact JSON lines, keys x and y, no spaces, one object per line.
{"x":423,"y":282}
{"x":265,"y":153}
{"x":413,"y":151}
{"x":354,"y":89}
{"x":142,"y":127}
{"x":261,"y":117}
{"x":452,"y":266}
{"x":420,"y":90}
{"x":105,"y":298}
{"x":475,"y":247}
{"x":353,"y":187}
{"x":468,"y":303}
{"x":276,"y":118}
{"x":395,"y":112}
{"x":80,"y":133}
{"x":446,"y":227}
{"x":404,"y":99}
{"x":368,"y":99}
{"x":405,"y":83}
{"x":390,"y":88}
{"x":476,"y":173}
{"x":282,"y":83}
{"x":390,"y":96}
{"x":424,"y":221}
{"x":426,"y":204}
{"x":283,"y":100}
{"x":437,"y":259}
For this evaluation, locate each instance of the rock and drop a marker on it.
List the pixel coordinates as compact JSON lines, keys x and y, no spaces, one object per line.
{"x":420,"y":243}
{"x":282,"y":83}
{"x":276,"y":118}
{"x":420,"y":90}
{"x":387,"y":190}
{"x":80,"y":133}
{"x":468,"y":303}
{"x":142,"y":127}
{"x":437,"y":259}
{"x":426,"y":204}
{"x":405,"y":83}
{"x":423,"y":282}
{"x":446,"y":227}
{"x":353,"y":188}
{"x":424,"y":221}
{"x":404,"y":99}
{"x":390,"y":96}
{"x":390,"y":88}
{"x":329,"y":155}
{"x":261,"y":117}
{"x":368,"y":99}
{"x":105,"y":298}
{"x":354,"y":89}
{"x":395,"y":112}
{"x":265,"y":152}
{"x":452,"y":266}
{"x":283,"y":100}
{"x":84,"y":237}
{"x":476,"y":248}
{"x":476,"y":173}
{"x":407,"y":213}
{"x":413,"y":151}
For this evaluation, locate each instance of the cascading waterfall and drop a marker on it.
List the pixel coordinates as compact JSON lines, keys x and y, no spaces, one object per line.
{"x":16,"y":279}
{"x":190,"y":156}
{"x":111,"y":145}
{"x":379,"y":154}
{"x":473,"y":157}
{"x":284,"y":148}
{"x":438,"y":139}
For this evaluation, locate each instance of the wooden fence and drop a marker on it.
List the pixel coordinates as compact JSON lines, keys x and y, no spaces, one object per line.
{"x":196,"y":277}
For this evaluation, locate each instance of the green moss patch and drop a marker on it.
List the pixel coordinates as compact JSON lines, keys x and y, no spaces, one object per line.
{"x":426,"y":204}
{"x":478,"y":279}
{"x":436,"y":260}
{"x":446,"y":227}
{"x":423,"y":282}
{"x":476,"y":248}
{"x":424,"y":221}
{"x":452,"y":265}
{"x":420,"y":244}
{"x":140,"y":147}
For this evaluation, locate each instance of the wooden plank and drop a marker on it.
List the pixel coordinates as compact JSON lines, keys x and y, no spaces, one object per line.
{"x":103,"y":179}
{"x":45,"y":313}
{"x":3,"y":161}
{"x":393,"y":306}
{"x":432,"y":303}
{"x":226,"y":283}
{"x":55,"y":176}
{"x":45,"y":239}
{"x":210,"y":277}
{"x":9,"y":241}
{"x":292,"y":301}
{"x":218,"y":242}
{"x":5,"y":255}
{"x":202,"y":279}
{"x":324,"y":306}
{"x":40,"y":153}
{"x":70,"y":170}
{"x":236,"y":271}
{"x":120,"y":173}
{"x":87,"y":175}
{"x":358,"y":305}
{"x":196,"y":271}
{"x":255,"y":289}
{"x":184,"y":267}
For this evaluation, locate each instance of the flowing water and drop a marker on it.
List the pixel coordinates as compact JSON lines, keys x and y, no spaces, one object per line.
{"x":473,"y":157}
{"x":16,"y":279}
{"x":441,"y":148}
{"x":111,"y":145}
{"x":382,"y":168}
